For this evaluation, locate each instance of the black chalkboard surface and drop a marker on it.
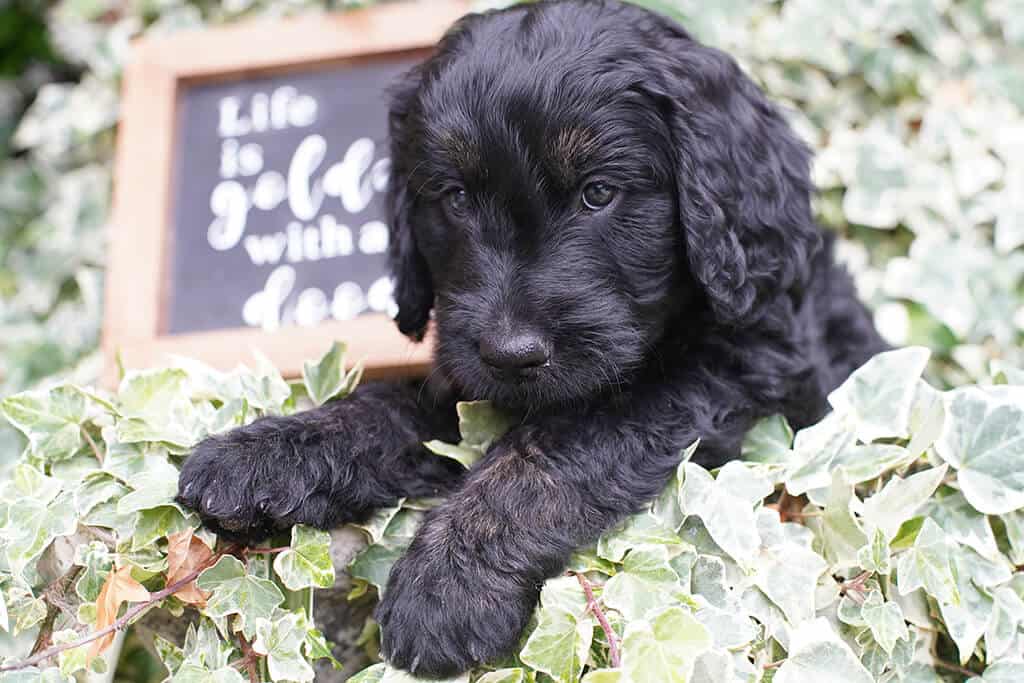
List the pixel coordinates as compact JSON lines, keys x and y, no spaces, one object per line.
{"x":278,"y":214}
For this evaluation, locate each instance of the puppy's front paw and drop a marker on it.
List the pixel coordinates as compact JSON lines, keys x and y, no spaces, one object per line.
{"x":250,"y":482}
{"x":441,"y":614}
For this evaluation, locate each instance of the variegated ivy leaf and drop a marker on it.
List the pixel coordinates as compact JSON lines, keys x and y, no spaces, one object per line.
{"x":51,"y":420}
{"x":264,"y":388}
{"x":663,"y":648}
{"x":155,"y":486}
{"x":642,"y":529}
{"x":983,"y":438}
{"x":880,"y":394}
{"x":815,"y":448}
{"x":817,"y":653}
{"x":565,"y":593}
{"x":559,"y":645}
{"x":373,"y":565}
{"x":505,"y":676}
{"x":480,"y":424}
{"x":96,"y":561}
{"x":788,"y":575}
{"x":235,"y":591}
{"x":307,"y":562}
{"x":645,"y":584}
{"x":926,"y":565}
{"x":327,"y":379}
{"x":1001,"y":633}
{"x":768,"y":441}
{"x":192,"y":673}
{"x":876,"y":557}
{"x":841,"y":533}
{"x":726,"y":506}
{"x":885,"y":619}
{"x":1006,"y":671}
{"x":900,"y":498}
{"x":381,"y":673}
{"x":963,"y":523}
{"x":281,"y":641}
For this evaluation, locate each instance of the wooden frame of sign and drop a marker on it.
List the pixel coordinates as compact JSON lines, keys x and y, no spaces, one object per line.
{"x":160,"y":70}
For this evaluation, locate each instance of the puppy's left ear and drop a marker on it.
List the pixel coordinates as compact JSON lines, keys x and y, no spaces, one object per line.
{"x":743,"y":181}
{"x":414,"y":291}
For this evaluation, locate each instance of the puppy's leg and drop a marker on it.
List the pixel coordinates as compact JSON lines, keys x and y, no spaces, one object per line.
{"x":466,"y":587}
{"x":322,"y":467}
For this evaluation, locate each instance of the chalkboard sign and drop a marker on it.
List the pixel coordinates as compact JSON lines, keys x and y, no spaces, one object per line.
{"x":248,"y":202}
{"x":277,"y":213}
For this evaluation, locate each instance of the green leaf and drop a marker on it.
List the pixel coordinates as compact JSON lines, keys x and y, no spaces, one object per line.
{"x":664,"y":648}
{"x":875,"y":557}
{"x":880,"y":394}
{"x":600,"y":676}
{"x":646,"y":584}
{"x":156,"y":486}
{"x":1005,"y":621}
{"x":51,"y":420}
{"x":769,"y":441}
{"x":559,"y":645}
{"x":96,"y":488}
{"x":159,"y":522}
{"x":317,"y":647}
{"x":926,"y":565}
{"x":480,"y":424}
{"x":983,"y":438}
{"x":900,"y":498}
{"x":307,"y":563}
{"x":817,"y":653}
{"x":963,"y":524}
{"x":815,"y":448}
{"x":96,"y":562}
{"x":236,"y":592}
{"x":504,"y":676}
{"x":642,"y":529}
{"x":75,"y":659}
{"x":192,"y":673}
{"x":373,"y":565}
{"x":32,"y":526}
{"x":467,"y":457}
{"x":264,"y":389}
{"x":1007,"y":671}
{"x":281,"y":641}
{"x":147,"y":394}
{"x":326,"y":378}
{"x":841,"y":534}
{"x":885,"y":619}
{"x":565,"y":593}
{"x":788,"y":575}
{"x":729,"y":518}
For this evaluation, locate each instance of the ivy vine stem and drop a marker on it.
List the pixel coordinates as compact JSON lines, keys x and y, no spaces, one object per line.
{"x":121,"y":623}
{"x":602,"y":619}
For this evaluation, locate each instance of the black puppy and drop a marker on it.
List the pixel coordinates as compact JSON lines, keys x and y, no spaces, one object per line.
{"x":613,"y":228}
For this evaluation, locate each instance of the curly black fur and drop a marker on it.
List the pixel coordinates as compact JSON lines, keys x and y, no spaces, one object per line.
{"x":701,"y":298}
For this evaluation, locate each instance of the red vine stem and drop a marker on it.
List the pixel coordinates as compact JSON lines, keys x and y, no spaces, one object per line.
{"x":609,"y":633}
{"x":132,"y":612}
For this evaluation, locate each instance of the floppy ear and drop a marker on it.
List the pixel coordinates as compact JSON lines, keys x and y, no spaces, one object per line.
{"x":414,"y":291}
{"x":743,"y":182}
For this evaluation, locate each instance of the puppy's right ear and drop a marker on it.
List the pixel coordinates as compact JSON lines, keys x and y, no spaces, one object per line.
{"x":414,"y":291}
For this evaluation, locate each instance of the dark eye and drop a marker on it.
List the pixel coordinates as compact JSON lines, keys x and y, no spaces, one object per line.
{"x":598,"y":195}
{"x":456,"y":202}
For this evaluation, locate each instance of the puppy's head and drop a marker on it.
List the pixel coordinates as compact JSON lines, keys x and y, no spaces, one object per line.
{"x":572,"y":182}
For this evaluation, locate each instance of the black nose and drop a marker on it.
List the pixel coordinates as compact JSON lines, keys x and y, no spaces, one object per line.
{"x":515,"y":351}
